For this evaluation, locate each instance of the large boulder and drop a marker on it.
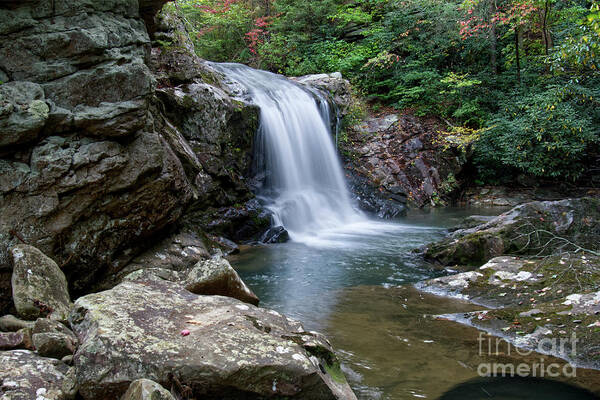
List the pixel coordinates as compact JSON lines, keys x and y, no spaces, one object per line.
{"x":39,"y":286}
{"x":208,"y":277}
{"x":26,"y":376}
{"x":214,"y":347}
{"x":536,"y":228}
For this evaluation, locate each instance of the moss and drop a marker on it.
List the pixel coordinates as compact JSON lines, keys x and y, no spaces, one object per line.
{"x":335,"y":371}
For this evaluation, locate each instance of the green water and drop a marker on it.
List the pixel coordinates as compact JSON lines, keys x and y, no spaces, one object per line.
{"x":355,"y":288}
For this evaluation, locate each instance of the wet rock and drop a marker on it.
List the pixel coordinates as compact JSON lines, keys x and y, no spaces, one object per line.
{"x":23,"y":112}
{"x":531,"y":228}
{"x":333,"y":84}
{"x":370,"y":199}
{"x":10,"y":323}
{"x":26,"y":375}
{"x":239,"y":223}
{"x":39,"y":286}
{"x":277,"y":234}
{"x":145,"y":389}
{"x":133,"y":331}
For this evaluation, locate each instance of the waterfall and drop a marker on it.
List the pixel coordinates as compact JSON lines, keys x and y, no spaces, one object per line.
{"x":304,"y":184}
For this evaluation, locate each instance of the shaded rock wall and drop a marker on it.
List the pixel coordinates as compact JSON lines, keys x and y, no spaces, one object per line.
{"x":101,"y":151}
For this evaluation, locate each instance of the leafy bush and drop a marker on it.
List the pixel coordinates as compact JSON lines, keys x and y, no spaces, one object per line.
{"x":546,"y":134}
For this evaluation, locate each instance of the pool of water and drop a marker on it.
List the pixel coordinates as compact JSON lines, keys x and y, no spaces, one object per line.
{"x":354,"y":286}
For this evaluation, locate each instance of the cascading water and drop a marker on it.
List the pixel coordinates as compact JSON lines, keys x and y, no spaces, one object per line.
{"x":304,"y":184}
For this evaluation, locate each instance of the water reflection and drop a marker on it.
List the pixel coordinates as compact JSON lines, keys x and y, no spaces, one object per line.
{"x":350,"y":291}
{"x":301,"y":280}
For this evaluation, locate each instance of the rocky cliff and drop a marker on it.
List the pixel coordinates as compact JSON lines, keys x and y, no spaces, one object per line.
{"x":106,"y":142}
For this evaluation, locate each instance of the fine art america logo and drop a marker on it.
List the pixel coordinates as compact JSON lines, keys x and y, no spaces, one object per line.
{"x":499,"y":348}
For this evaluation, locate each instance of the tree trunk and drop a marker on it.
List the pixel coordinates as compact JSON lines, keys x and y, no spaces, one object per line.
{"x":545,"y":33}
{"x":517,"y":53}
{"x":493,"y":40}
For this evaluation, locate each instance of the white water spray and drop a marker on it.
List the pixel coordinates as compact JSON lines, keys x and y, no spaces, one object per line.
{"x":304,"y":186}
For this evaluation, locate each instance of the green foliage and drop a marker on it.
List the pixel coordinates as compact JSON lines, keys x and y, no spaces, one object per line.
{"x":546,"y":133}
{"x":219,"y":35}
{"x":517,"y":80}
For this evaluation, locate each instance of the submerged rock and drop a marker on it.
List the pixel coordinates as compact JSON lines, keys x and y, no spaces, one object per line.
{"x":39,"y":286}
{"x":145,"y":389}
{"x":533,"y":228}
{"x":534,"y":302}
{"x":136,"y":330}
{"x":26,"y":376}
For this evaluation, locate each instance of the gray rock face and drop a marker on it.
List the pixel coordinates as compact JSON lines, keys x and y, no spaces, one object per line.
{"x":26,"y":376}
{"x":404,"y":159}
{"x":92,"y":176}
{"x":23,"y":112}
{"x":217,"y":347}
{"x":144,"y":389}
{"x":179,"y":253}
{"x":39,"y":286}
{"x":540,"y":227}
